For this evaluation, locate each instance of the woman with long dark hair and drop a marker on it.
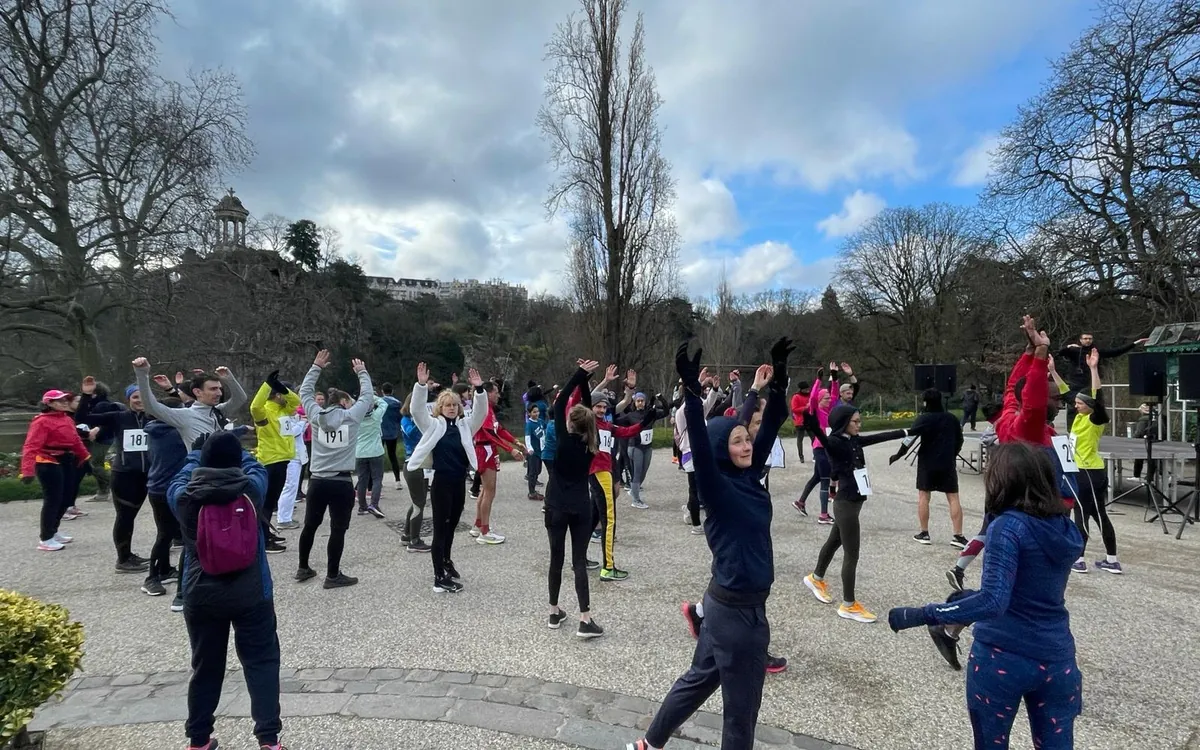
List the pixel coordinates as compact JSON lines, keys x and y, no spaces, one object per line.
{"x":1023,"y":648}
{"x":54,"y":454}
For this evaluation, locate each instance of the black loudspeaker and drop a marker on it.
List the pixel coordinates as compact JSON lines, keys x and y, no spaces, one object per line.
{"x":1189,"y":377}
{"x":1148,"y":375}
{"x":942,"y":377}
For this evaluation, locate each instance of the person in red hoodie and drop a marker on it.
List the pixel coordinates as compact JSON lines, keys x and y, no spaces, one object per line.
{"x":489,"y":441}
{"x":799,"y":406}
{"x":53,"y":453}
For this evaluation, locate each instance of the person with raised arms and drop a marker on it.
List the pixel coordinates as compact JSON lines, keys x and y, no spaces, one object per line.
{"x":206,"y":414}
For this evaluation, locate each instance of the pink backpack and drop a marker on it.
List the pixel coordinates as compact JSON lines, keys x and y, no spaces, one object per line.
{"x":227,"y":537}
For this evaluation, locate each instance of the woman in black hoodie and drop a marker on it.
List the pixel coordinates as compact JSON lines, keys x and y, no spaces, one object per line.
{"x":844,"y":447}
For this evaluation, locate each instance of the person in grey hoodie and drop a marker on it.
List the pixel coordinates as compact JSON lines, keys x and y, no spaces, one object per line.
{"x":206,"y":415}
{"x":335,"y":435}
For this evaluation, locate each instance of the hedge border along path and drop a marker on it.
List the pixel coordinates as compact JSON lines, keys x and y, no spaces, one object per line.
{"x":522,"y":706}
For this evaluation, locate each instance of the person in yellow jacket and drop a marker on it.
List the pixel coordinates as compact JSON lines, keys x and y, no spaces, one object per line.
{"x":273,"y":408}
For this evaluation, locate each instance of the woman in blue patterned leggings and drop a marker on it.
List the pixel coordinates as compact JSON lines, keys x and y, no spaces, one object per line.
{"x":1023,"y":646}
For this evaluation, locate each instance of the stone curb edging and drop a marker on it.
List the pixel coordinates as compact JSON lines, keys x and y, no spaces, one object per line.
{"x":523,"y":706}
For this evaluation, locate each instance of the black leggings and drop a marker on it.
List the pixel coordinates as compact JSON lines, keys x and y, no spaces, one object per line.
{"x":389,"y":446}
{"x":276,"y":479}
{"x":128,"y":495}
{"x":821,"y":472}
{"x":845,"y":534}
{"x":59,"y":485}
{"x":693,"y":503}
{"x":338,"y":496}
{"x":579,"y":524}
{"x":448,"y":496}
{"x":168,"y":528}
{"x":1093,"y":489}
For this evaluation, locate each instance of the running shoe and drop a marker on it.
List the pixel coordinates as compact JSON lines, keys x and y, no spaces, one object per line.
{"x":556,"y":619}
{"x":340,"y":581}
{"x":692,"y":617}
{"x":305,"y":574}
{"x":856,"y":612}
{"x":50,"y":545}
{"x":212,"y":745}
{"x":274,"y":547}
{"x":588,"y":630}
{"x":452,"y":572}
{"x":776,"y":664}
{"x":593,"y":564}
{"x":1105,"y":565}
{"x":825,"y":519}
{"x":62,"y":538}
{"x":819,"y":589}
{"x":947,"y":646}
{"x":639,"y":505}
{"x":474,"y":531}
{"x":639,"y":745}
{"x":288,"y":525}
{"x":418,"y":546}
{"x":139,"y":559}
{"x":922,"y":538}
{"x":536,"y":497}
{"x":800,"y":507}
{"x":362,"y":511}
{"x":177,"y":602}
{"x":596,"y":537}
{"x":958,"y":542}
{"x":71,"y":515}
{"x":955,"y":576}
{"x":77,"y":511}
{"x":171,"y":576}
{"x":446,"y":586}
{"x":375,"y":511}
{"x":276,"y":746}
{"x":490,"y":538}
{"x":129,"y":566}
{"x":153,"y":587}
{"x":176,"y":544}
{"x":613,"y":574}
{"x":474,"y":495}
{"x":1079,"y":566}
{"x":697,"y":531}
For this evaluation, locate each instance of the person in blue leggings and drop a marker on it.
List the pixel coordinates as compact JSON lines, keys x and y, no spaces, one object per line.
{"x":1023,"y":647}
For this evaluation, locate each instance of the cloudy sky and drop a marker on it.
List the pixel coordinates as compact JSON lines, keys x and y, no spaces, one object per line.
{"x":409,"y":124}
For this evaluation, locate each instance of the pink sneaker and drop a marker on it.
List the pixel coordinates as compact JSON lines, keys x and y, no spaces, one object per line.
{"x":799,"y":506}
{"x":825,"y":519}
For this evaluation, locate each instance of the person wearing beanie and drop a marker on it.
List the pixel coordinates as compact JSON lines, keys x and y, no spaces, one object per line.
{"x":54,"y":454}
{"x":848,"y":467}
{"x":273,"y":408}
{"x":822,"y":398}
{"x":731,"y":651}
{"x":218,"y":471}
{"x":641,"y":446}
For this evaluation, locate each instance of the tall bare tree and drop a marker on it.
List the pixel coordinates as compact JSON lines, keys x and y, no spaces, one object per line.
{"x":106,"y":166}
{"x":600,"y":118}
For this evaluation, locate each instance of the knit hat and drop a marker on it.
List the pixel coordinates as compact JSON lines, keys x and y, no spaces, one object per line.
{"x":222,"y":450}
{"x":130,"y":390}
{"x":640,"y":395}
{"x":1086,"y":399}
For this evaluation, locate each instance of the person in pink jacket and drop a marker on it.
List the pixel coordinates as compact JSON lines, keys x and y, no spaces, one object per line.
{"x":822,"y":398}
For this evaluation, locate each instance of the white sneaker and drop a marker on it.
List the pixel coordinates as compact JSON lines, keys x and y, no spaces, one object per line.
{"x":50,"y":545}
{"x":62,"y":538}
{"x":697,"y":530}
{"x":639,"y":505}
{"x":490,"y":538}
{"x":474,"y":531}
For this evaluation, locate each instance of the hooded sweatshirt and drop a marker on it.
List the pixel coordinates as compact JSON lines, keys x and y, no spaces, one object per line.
{"x":196,"y":420}
{"x":370,"y":432}
{"x":845,"y":451}
{"x":738,"y":508}
{"x":1021,"y":603}
{"x":335,"y":430}
{"x":822,"y":415}
{"x":389,"y":426}
{"x":568,"y":488}
{"x":196,"y":486}
{"x":167,"y":455}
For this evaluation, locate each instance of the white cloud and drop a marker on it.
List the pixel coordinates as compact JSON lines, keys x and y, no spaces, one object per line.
{"x":767,"y":265}
{"x":975,"y":165}
{"x":705,"y":211}
{"x":857,"y":209}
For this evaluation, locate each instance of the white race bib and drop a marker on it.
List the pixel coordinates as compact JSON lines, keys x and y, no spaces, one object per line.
{"x":606,"y":441}
{"x":863,"y":481}
{"x":647,"y":437}
{"x":135,"y":441}
{"x":1064,"y":448}
{"x":338,"y":438}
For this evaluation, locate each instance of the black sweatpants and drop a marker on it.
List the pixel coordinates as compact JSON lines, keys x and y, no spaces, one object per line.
{"x":59,"y":484}
{"x":448,"y":496}
{"x":338,"y":496}
{"x":1093,"y":491}
{"x":579,"y":525}
{"x":128,"y":495}
{"x":257,"y":643}
{"x":800,"y":443}
{"x":731,"y":653}
{"x":276,"y":479}
{"x":389,"y":447}
{"x":167,"y":528}
{"x":533,"y":471}
{"x":846,"y":535}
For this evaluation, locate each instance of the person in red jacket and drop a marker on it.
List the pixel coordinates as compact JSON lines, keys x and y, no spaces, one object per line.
{"x":799,"y":406}
{"x":489,"y":441}
{"x":53,"y":453}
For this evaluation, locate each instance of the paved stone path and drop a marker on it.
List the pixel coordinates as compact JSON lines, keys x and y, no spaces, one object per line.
{"x":522,"y":706}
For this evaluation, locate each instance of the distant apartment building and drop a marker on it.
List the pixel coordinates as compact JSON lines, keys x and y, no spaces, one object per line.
{"x":412,"y":289}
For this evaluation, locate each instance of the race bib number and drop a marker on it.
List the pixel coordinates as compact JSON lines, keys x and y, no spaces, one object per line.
{"x":647,"y":437}
{"x":339,"y":438}
{"x":606,"y":441}
{"x":1064,"y":447}
{"x":863,"y":480}
{"x":135,"y":441}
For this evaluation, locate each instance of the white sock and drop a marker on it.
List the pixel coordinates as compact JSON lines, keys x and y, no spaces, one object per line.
{"x":700,"y":609}
{"x":1112,"y":558}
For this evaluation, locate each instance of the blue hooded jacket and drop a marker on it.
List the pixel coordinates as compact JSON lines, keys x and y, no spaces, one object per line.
{"x":1021,"y":604}
{"x":389,"y":426}
{"x":167,"y":456}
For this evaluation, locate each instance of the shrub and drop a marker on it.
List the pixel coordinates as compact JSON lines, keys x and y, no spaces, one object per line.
{"x":40,"y":648}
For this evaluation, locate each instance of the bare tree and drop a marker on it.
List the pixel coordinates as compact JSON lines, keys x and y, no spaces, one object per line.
{"x":269,"y":233}
{"x":600,"y":119}
{"x":107,"y":165}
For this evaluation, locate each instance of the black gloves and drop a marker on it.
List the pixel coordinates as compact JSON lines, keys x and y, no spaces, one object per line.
{"x":277,"y":386}
{"x":199,"y":442}
{"x":779,"y":358}
{"x":688,"y":368}
{"x":903,"y":618}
